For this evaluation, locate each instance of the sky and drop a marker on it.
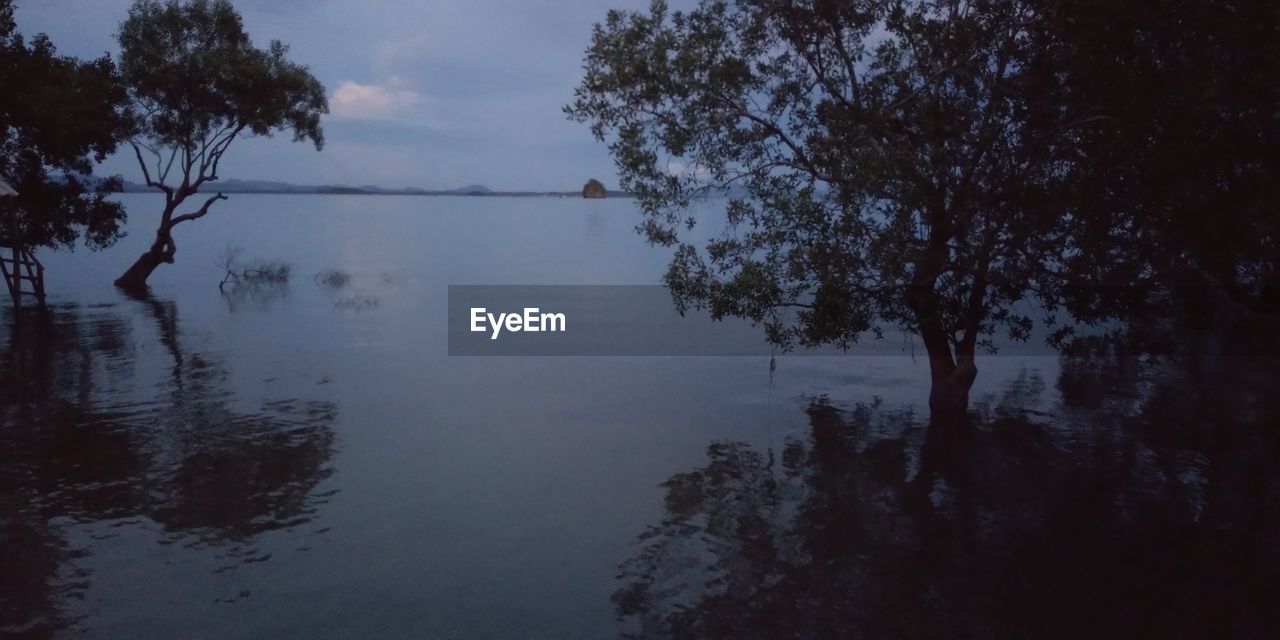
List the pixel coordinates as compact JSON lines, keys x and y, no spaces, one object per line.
{"x":422,"y":93}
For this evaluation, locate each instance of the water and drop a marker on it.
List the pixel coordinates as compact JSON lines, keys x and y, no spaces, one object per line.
{"x":306,"y":460}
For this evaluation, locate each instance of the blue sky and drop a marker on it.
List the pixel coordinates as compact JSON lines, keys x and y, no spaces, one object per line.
{"x":423,"y":93}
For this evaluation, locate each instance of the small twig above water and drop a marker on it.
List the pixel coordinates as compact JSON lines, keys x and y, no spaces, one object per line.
{"x":255,"y":272}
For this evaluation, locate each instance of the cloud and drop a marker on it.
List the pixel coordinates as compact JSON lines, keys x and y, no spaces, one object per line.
{"x":373,"y":102}
{"x":346,"y":162}
{"x":435,"y":93}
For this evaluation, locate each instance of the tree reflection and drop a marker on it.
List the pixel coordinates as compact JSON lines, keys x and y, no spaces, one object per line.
{"x":88,"y":437}
{"x":1147,"y":508}
{"x":255,"y":295}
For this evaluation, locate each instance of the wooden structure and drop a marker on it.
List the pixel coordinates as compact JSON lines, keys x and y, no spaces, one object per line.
{"x":23,"y":274}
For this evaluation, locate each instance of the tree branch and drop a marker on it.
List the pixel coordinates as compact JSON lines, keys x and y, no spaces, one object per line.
{"x":843,"y":53}
{"x":218,"y":146}
{"x":199,"y":213}
{"x":137,"y":151}
{"x":164,"y":175}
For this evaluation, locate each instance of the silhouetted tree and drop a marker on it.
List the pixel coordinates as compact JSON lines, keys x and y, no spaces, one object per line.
{"x":932,"y":165}
{"x":880,"y":164}
{"x":197,"y":83}
{"x":57,"y":116}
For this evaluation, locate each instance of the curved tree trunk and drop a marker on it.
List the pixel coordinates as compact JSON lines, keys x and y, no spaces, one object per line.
{"x":162,"y":250}
{"x":135,"y":278}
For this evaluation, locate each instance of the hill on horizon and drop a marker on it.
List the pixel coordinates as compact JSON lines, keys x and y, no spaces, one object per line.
{"x":236,"y":185}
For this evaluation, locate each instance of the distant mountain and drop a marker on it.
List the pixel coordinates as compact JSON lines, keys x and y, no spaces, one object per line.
{"x":258,"y":186}
{"x":350,"y":191}
{"x":233,"y":185}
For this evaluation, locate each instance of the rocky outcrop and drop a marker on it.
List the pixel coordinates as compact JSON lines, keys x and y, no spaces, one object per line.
{"x":593,"y":189}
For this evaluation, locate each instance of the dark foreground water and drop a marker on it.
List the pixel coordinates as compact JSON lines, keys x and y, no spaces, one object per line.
{"x":306,"y":461}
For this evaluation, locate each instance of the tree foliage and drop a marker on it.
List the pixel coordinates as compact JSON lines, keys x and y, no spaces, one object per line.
{"x":1179,"y":189}
{"x":58,"y":115}
{"x":197,"y":84}
{"x":938,"y":164}
{"x":880,"y":165}
{"x":197,"y":81}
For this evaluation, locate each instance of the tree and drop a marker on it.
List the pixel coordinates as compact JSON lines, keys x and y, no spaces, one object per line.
{"x":880,"y":164}
{"x":57,"y":116}
{"x":1182,"y":168}
{"x":196,"y":84}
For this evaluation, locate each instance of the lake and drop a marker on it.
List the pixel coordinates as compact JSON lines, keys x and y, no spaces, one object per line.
{"x":308,"y":461}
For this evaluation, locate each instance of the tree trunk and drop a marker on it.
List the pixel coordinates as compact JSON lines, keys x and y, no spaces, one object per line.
{"x":135,"y":279}
{"x":949,"y":391}
{"x":161,"y":251}
{"x":950,"y":381}
{"x":951,"y":374}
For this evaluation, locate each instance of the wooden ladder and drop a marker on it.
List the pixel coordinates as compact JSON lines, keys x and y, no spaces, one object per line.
{"x":20,"y":266}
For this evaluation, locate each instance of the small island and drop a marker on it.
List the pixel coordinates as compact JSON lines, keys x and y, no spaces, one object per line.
{"x":593,"y":189}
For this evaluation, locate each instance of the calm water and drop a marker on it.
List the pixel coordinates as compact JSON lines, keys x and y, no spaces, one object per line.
{"x":306,"y":460}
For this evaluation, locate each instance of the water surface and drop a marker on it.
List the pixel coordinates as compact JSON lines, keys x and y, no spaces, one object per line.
{"x":306,"y":460}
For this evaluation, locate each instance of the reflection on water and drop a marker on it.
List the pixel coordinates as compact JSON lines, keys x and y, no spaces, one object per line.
{"x":158,"y":459}
{"x":1147,"y":507}
{"x":110,"y":422}
{"x":253,"y":295}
